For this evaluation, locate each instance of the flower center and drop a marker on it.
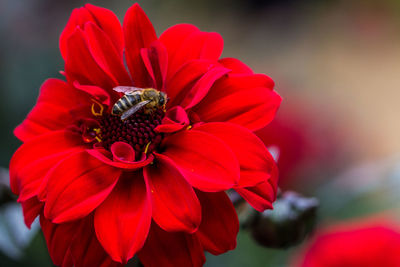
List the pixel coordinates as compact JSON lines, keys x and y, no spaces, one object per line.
{"x":137,"y":131}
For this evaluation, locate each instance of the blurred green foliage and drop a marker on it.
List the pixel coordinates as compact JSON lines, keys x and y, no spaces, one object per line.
{"x":35,"y":255}
{"x":248,"y":253}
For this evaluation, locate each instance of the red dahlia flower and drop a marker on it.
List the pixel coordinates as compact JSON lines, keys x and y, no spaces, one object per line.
{"x":153,"y":184}
{"x":361,"y":244}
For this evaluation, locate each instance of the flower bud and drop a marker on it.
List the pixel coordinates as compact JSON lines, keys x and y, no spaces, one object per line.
{"x":291,"y":220}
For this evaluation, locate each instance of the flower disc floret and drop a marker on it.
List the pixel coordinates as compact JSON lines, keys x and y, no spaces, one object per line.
{"x":137,"y":131}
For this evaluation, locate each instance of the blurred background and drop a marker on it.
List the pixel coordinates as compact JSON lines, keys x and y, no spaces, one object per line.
{"x":336,"y":65}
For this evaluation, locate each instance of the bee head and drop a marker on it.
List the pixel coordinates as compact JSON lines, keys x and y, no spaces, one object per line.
{"x":163,"y":98}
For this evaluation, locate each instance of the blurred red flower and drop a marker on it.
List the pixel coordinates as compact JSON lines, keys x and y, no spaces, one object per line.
{"x":310,"y":144}
{"x":363,"y":243}
{"x":286,"y":136}
{"x":152,"y":185}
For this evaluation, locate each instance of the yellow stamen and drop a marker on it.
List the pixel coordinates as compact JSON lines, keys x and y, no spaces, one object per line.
{"x":147,"y":147}
{"x":189,"y":127}
{"x":100,"y":113}
{"x":98,"y":139}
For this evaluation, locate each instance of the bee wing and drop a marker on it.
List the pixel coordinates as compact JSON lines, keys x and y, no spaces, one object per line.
{"x":127,"y":89}
{"x":134,"y":109}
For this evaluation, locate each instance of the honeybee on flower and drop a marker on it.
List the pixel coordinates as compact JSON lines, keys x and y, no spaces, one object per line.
{"x":135,"y":99}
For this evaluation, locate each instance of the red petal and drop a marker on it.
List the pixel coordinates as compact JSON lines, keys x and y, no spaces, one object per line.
{"x":175,"y":205}
{"x":243,"y":99}
{"x":60,"y":93}
{"x":261,"y":196}
{"x":81,"y":66}
{"x":105,"y":19}
{"x":77,"y":186}
{"x":174,"y":36}
{"x":206,"y":162}
{"x":43,"y":118}
{"x":235,"y":65}
{"x":256,"y":163}
{"x":33,"y":174}
{"x":220,"y":224}
{"x":198,"y":45}
{"x":58,"y":238}
{"x":86,"y":249}
{"x":109,"y":23}
{"x":185,"y":78}
{"x":38,"y":148}
{"x":123,"y":152}
{"x":31,"y":209}
{"x":52,"y":111}
{"x":155,"y":60}
{"x":139,"y":33}
{"x":201,"y":88}
{"x":105,"y":54}
{"x":97,"y":93}
{"x":175,"y":120}
{"x":171,"y":249}
{"x":75,"y":243}
{"x":123,"y":220}
{"x":106,"y":157}
{"x":67,"y":260}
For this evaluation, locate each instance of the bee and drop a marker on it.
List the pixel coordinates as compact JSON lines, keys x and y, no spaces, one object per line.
{"x":135,"y":98}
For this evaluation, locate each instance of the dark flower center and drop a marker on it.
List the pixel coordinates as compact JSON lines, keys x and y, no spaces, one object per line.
{"x":137,"y":131}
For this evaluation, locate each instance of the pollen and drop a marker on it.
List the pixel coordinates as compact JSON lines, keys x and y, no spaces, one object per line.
{"x":137,"y":131}
{"x":146,"y":149}
{"x":99,"y":107}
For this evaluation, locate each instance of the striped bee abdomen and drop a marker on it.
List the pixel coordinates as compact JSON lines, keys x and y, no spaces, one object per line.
{"x":125,"y":103}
